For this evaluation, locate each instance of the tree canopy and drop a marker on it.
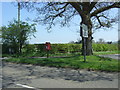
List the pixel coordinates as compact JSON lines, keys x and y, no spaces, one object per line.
{"x":92,"y":13}
{"x":62,"y":12}
{"x":15,"y":36}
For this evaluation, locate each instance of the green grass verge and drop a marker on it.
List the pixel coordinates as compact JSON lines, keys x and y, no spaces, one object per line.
{"x":58,"y":54}
{"x":40,"y":55}
{"x":75,"y":62}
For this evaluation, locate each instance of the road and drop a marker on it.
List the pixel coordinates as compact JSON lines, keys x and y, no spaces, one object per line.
{"x":114,"y":56}
{"x":31,"y":76}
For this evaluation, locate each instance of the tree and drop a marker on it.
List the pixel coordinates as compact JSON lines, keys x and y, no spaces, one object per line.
{"x":15,"y":36}
{"x":101,"y":41}
{"x":79,"y":41}
{"x":71,"y":42}
{"x":90,"y":12}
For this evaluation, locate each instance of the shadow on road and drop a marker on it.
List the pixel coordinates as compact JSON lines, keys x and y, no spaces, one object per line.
{"x":25,"y":73}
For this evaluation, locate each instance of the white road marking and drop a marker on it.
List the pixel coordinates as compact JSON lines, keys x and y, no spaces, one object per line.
{"x":25,"y":86}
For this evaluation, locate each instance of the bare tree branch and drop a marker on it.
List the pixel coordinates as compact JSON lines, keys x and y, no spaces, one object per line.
{"x":102,"y":9}
{"x":99,"y":21}
{"x":92,"y":5}
{"x":57,"y":9}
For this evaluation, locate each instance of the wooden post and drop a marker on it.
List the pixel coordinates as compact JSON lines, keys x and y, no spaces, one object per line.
{"x":47,"y":53}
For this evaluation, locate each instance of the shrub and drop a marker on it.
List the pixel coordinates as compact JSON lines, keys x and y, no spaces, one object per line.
{"x":39,"y":49}
{"x":105,"y":47}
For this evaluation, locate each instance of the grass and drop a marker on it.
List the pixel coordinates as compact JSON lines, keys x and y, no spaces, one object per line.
{"x":40,"y":54}
{"x":58,"y":54}
{"x":76,"y":62}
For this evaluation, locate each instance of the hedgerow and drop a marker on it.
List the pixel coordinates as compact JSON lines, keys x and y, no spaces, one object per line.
{"x":39,"y":49}
{"x":105,"y":47}
{"x":68,"y":48}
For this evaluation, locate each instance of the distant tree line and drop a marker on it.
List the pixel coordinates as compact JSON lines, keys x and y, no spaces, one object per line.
{"x":100,"y":41}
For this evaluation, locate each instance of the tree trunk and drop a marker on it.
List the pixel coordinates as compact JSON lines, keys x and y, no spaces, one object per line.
{"x":86,"y":20}
{"x":89,"y":50}
{"x":20,"y":48}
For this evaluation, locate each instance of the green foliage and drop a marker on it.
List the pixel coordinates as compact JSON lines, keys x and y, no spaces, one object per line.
{"x":105,"y":47}
{"x":56,"y":48}
{"x":29,"y":49}
{"x":39,"y":49}
{"x":15,"y":35}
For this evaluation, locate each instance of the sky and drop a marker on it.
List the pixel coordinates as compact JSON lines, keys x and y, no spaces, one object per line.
{"x":58,"y":34}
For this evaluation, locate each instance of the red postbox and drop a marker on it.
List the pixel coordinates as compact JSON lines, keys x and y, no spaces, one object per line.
{"x":48,"y":46}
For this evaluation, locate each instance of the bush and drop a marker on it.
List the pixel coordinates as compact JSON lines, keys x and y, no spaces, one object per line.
{"x":105,"y":47}
{"x":68,"y":48}
{"x":56,"y":48}
{"x":39,"y":49}
{"x":29,"y":49}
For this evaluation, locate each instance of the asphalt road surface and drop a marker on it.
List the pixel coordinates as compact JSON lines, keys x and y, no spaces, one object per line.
{"x":114,"y":56}
{"x":31,"y":76}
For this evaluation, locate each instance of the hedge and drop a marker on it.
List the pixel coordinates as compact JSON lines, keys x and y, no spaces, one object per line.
{"x":63,"y":48}
{"x":69,"y":48}
{"x":105,"y":47}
